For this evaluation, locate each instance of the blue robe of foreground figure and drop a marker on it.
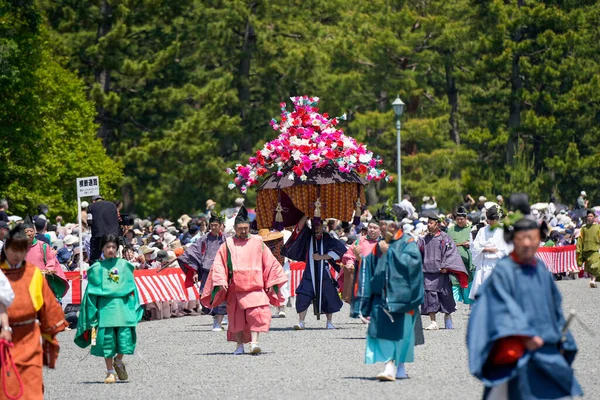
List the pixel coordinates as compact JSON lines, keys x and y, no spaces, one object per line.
{"x":522,"y":300}
{"x":395,"y":291}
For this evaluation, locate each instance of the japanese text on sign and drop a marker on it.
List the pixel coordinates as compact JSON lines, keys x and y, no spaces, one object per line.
{"x":88,"y":186}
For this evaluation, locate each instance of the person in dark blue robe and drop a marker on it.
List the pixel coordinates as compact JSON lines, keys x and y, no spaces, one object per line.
{"x":391,"y":300}
{"x":518,"y":341}
{"x":320,"y":251}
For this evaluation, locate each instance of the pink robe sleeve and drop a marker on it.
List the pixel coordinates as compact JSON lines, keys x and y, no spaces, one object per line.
{"x":349,"y":257}
{"x":53,"y":264}
{"x":217,"y":277}
{"x":273,"y":275}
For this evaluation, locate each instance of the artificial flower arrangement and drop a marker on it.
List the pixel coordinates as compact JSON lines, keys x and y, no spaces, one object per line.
{"x":114,"y":275}
{"x":307,"y":141}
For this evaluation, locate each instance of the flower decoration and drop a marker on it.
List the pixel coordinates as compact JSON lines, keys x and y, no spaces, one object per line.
{"x":114,"y":275}
{"x":307,"y":141}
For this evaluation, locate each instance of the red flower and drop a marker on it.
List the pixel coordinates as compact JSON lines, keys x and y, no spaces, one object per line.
{"x":261,"y":171}
{"x":362,"y":169}
{"x":297,"y":170}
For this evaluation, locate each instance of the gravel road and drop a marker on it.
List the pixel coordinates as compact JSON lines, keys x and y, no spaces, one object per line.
{"x":182,"y":358}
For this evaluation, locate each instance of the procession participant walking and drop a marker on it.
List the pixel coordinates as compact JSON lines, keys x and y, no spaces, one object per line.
{"x":488,"y":247}
{"x":362,"y":247}
{"x":460,"y":232}
{"x":393,"y":296}
{"x":588,"y":245}
{"x":41,"y":255}
{"x":518,"y":341}
{"x":110,"y":311}
{"x":317,"y":249}
{"x":245,"y":274}
{"x":440,"y":258}
{"x":197,"y":261}
{"x":35,"y":317}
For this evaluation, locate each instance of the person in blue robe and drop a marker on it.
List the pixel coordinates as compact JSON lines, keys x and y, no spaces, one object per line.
{"x":320,"y":251}
{"x":518,"y":341}
{"x":391,"y":301}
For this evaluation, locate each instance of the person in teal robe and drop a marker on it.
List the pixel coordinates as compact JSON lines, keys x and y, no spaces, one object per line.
{"x":110,"y":311}
{"x":518,"y":340}
{"x":461,"y":234}
{"x":391,"y":298}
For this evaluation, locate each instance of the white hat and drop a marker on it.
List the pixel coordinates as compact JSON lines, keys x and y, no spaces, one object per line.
{"x":167,"y":224}
{"x":482,"y":198}
{"x":168,"y":238}
{"x":425,"y":199}
{"x":499,"y":197}
{"x":583,"y":193}
{"x":70,"y":240}
{"x":239,"y":201}
{"x":535,"y":213}
{"x":85,"y":204}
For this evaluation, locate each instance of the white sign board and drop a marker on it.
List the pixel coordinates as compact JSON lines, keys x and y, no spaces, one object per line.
{"x":87,"y":187}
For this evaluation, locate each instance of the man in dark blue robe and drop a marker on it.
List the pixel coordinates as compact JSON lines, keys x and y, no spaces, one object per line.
{"x":320,"y":251}
{"x":518,"y":341}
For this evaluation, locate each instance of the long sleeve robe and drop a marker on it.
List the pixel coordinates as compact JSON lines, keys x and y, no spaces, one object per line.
{"x":522,"y":300}
{"x":48,"y":262}
{"x":35,"y":317}
{"x":365,"y":247}
{"x":247,"y":275}
{"x":485,"y":262}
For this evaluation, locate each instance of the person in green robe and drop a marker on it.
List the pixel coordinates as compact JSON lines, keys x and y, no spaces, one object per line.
{"x":110,"y":310}
{"x":461,"y":234}
{"x":588,"y":245}
{"x":391,"y":300}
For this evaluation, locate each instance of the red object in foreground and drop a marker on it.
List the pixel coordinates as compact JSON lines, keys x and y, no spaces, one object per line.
{"x":7,"y":363}
{"x":507,"y":350}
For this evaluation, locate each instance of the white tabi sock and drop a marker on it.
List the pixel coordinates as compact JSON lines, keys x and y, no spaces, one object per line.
{"x":389,"y":368}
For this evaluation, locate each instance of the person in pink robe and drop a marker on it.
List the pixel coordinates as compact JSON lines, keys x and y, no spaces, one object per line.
{"x":42,"y":256}
{"x":247,"y":275}
{"x":361,"y":248}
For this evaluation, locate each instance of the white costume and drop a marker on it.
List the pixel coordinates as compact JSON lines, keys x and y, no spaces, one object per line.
{"x":485,"y":262}
{"x":6,"y":293}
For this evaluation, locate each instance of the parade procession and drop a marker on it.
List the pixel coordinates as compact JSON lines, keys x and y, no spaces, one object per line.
{"x":295,"y":200}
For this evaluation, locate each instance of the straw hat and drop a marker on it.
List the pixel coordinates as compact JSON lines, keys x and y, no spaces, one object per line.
{"x":268,"y":235}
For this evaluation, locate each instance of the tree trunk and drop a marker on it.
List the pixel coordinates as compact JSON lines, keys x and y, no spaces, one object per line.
{"x":102,"y":73}
{"x":516,"y":87}
{"x":244,"y":67}
{"x":452,"y":93}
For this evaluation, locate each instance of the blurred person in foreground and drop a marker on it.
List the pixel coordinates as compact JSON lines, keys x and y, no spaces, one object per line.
{"x":110,"y":310}
{"x":246,"y":275}
{"x":35,"y":317}
{"x":518,"y":341}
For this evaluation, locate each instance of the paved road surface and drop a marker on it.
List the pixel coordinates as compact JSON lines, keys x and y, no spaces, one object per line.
{"x":182,"y":359}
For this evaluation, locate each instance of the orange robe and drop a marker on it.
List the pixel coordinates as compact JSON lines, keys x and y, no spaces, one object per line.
{"x":33,"y":300}
{"x":248,"y":288}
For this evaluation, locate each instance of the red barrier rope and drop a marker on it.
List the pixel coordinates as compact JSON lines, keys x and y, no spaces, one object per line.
{"x":6,"y":362}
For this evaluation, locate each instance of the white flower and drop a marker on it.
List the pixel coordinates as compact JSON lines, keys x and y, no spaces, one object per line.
{"x":352,"y":159}
{"x":303,"y":177}
{"x":313,"y":157}
{"x":296,"y":154}
{"x":291,"y":176}
{"x":231,"y":185}
{"x":323,"y":144}
{"x":265,"y":152}
{"x":365,"y":158}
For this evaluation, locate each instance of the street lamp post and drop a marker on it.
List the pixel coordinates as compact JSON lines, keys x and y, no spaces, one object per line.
{"x":398,"y":106}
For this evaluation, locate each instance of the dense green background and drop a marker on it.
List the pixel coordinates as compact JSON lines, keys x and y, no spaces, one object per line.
{"x":501,"y":95}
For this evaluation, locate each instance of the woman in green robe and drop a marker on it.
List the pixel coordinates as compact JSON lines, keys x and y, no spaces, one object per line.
{"x":110,"y":310}
{"x":461,"y":234}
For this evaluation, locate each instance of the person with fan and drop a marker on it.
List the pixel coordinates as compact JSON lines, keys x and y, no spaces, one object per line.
{"x":518,"y":340}
{"x":35,"y":319}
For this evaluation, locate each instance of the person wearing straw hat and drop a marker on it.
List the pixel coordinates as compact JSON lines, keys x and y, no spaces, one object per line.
{"x":275,"y":240}
{"x":249,"y":277}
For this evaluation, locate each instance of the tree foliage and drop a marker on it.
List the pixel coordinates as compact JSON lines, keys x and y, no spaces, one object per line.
{"x":501,"y":95}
